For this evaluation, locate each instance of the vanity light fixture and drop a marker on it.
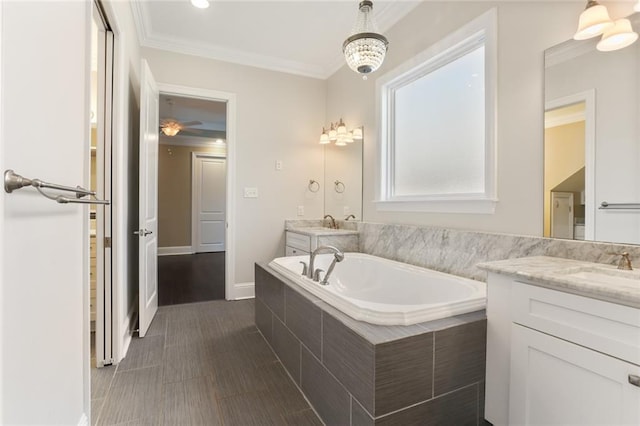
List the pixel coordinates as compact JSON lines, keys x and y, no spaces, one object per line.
{"x":618,"y":36}
{"x":339,"y":134}
{"x":200,"y":4}
{"x":365,"y":48}
{"x":593,"y":21}
{"x":324,"y":137}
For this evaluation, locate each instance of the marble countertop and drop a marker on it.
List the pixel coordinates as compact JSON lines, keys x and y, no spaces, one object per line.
{"x":316,"y":231}
{"x":594,"y":280}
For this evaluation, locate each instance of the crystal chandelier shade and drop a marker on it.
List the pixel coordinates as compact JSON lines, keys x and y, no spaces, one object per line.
{"x":365,"y":49}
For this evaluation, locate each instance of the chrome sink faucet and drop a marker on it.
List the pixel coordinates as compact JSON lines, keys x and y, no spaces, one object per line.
{"x":314,"y":274}
{"x":333,"y":221}
{"x":624,"y":263}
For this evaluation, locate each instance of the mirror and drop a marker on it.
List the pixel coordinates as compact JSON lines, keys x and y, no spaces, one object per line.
{"x":592,"y":142}
{"x":343,"y":179}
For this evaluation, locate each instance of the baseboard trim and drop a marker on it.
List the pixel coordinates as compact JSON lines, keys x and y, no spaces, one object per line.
{"x":172,"y":251}
{"x":84,"y":420}
{"x":244,"y":290}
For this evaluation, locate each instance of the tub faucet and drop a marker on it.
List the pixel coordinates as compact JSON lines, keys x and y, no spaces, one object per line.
{"x":314,"y":274}
{"x":333,"y":221}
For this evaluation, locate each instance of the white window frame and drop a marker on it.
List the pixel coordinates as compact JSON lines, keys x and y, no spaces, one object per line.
{"x":453,"y":46}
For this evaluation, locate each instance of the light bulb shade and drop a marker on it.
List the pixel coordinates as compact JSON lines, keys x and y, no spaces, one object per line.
{"x":619,"y":36}
{"x":342,"y":128}
{"x":341,"y":142}
{"x":594,"y":20}
{"x":200,"y":4}
{"x":636,"y":6}
{"x":333,"y":135}
{"x":357,"y":134}
{"x":324,"y":139}
{"x":170,"y":129}
{"x":349,"y":137}
{"x":365,"y":49}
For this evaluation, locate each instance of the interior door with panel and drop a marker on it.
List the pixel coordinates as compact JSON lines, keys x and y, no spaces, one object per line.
{"x":148,"y":208}
{"x":209,"y":203}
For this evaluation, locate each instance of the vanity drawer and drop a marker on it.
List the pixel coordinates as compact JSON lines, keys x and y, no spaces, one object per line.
{"x":603,"y":326}
{"x":292,"y":251}
{"x":298,"y":241}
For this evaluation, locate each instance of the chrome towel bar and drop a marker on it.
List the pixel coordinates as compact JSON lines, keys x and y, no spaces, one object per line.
{"x":621,"y":206}
{"x":13,"y":181}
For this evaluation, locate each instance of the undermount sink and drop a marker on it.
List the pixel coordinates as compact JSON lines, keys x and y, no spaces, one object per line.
{"x":603,"y":274}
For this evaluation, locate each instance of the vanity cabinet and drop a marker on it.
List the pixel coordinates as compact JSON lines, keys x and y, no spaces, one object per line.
{"x":559,"y":358}
{"x":297,"y":244}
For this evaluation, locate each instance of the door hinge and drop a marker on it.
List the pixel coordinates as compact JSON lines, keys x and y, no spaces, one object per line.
{"x":107,"y":242}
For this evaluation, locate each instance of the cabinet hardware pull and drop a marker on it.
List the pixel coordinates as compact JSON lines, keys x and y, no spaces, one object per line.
{"x":634,"y":380}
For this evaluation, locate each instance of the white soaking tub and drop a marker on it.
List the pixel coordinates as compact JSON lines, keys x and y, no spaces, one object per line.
{"x":382,"y":291}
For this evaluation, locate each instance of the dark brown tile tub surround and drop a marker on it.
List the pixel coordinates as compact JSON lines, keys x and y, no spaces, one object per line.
{"x":358,"y":374}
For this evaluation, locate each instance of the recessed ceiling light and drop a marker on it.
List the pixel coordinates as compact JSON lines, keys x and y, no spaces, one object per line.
{"x":200,"y":4}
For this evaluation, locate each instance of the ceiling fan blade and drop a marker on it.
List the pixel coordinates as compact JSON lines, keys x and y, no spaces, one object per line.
{"x":190,"y":123}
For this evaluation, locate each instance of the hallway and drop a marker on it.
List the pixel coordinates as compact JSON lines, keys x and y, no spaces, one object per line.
{"x":191,"y":278}
{"x":200,"y":364}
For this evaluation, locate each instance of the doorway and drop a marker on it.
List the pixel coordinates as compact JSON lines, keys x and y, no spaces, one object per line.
{"x":192,"y":199}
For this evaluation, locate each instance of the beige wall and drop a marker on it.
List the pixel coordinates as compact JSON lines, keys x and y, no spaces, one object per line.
{"x":525,"y":30}
{"x":563,"y":156}
{"x":174,"y":193}
{"x":278,"y":118}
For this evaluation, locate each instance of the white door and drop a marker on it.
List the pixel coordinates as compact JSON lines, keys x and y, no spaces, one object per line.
{"x":562,"y":215}
{"x":44,"y":261}
{"x":209,"y":203}
{"x":554,"y":382}
{"x":148,"y":214}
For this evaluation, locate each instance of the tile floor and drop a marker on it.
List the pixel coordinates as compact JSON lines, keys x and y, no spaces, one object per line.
{"x":200,"y":364}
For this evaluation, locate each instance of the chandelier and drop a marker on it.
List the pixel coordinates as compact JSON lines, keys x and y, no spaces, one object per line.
{"x":364,"y":50}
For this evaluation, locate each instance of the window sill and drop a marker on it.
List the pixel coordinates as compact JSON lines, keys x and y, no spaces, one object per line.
{"x":483,"y":206}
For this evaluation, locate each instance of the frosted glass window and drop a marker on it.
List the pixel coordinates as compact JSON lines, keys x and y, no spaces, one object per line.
{"x":437,"y":125}
{"x":440,"y":130}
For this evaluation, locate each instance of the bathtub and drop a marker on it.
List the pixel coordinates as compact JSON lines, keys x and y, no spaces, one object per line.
{"x":385,"y":292}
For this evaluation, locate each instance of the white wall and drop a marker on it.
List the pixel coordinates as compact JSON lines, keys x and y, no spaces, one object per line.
{"x":45,"y":269}
{"x":278,"y":118}
{"x":525,"y":30}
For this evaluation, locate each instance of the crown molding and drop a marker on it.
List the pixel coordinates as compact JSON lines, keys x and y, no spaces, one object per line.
{"x":388,"y":15}
{"x":568,"y":50}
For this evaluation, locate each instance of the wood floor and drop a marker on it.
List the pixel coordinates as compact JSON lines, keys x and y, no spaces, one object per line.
{"x":190,"y":278}
{"x":200,"y":364}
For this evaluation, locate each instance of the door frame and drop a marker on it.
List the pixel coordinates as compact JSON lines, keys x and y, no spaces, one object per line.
{"x":194,"y":195}
{"x":230,"y":215}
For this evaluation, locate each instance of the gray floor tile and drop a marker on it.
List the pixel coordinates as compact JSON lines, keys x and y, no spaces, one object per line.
{"x":96,"y":409}
{"x":101,"y":380}
{"x":215,"y":368}
{"x":190,"y":402}
{"x":262,"y":412}
{"x":134,"y":395}
{"x":185,"y":362}
{"x":301,"y":418}
{"x":146,"y":352}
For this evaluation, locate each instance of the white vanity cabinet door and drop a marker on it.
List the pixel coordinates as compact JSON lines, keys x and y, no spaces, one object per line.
{"x":297,"y":244}
{"x":554,"y":382}
{"x":291,"y":251}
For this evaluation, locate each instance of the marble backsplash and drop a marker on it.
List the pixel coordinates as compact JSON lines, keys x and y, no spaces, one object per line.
{"x":458,"y":252}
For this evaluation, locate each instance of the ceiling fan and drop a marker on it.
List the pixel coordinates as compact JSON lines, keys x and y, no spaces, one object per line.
{"x":171,"y":126}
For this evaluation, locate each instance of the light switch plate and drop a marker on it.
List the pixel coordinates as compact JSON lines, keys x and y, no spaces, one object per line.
{"x":300,"y":210}
{"x":250,"y":192}
{"x":346,"y":211}
{"x":278,"y":165}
